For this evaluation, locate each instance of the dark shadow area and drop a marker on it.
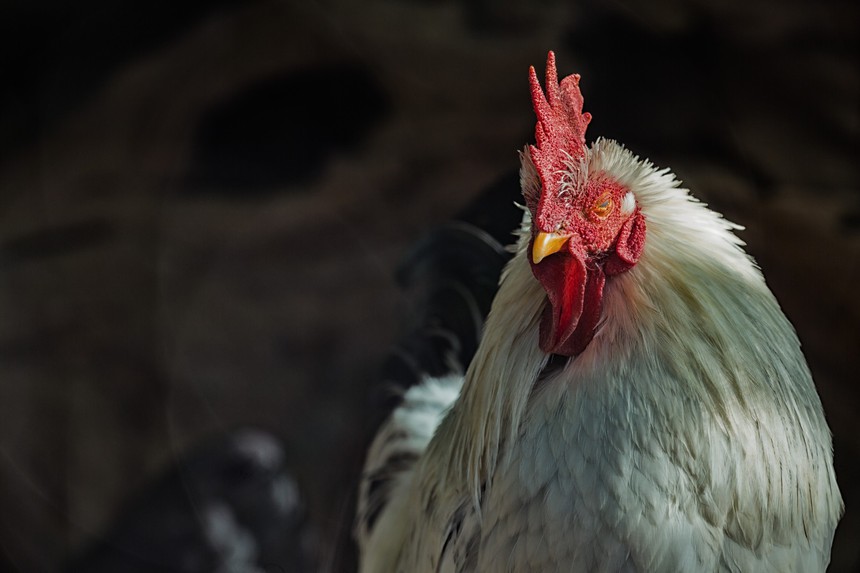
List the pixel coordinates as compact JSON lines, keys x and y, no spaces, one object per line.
{"x":282,"y":131}
{"x":54,"y":55}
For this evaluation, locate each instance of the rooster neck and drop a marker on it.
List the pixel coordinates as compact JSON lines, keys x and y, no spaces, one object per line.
{"x":693,"y":325}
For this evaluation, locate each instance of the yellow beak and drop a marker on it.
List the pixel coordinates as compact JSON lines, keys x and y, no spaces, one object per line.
{"x":546,"y":244}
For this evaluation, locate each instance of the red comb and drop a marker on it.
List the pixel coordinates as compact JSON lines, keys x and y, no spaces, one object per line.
{"x":560,"y":130}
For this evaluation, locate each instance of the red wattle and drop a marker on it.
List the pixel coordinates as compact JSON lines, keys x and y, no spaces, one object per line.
{"x":574,"y":291}
{"x":591,"y":308}
{"x":563,"y":278}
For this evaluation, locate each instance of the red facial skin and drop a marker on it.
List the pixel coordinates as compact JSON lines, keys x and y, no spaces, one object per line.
{"x":604,"y":242}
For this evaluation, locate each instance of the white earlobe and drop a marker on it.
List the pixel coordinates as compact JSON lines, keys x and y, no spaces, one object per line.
{"x":628,"y":204}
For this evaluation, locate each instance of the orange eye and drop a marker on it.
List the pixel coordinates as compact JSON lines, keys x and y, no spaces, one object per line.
{"x":603,"y":206}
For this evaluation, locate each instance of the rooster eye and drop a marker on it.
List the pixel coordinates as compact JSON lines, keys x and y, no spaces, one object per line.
{"x":603,"y":206}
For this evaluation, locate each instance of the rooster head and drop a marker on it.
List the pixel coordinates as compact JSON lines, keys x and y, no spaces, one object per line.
{"x":586,"y":226}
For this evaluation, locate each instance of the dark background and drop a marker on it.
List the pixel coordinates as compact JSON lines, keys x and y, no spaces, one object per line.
{"x":202,"y":205}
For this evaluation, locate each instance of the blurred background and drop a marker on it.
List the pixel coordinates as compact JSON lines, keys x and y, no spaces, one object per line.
{"x":203,"y":204}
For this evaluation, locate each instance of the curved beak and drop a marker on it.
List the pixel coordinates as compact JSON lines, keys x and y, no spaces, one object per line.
{"x":546,"y":244}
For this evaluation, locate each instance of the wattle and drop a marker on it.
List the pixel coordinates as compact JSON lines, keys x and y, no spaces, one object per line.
{"x":574,"y":289}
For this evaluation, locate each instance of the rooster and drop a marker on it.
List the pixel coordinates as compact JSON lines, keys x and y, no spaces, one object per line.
{"x":638,"y":400}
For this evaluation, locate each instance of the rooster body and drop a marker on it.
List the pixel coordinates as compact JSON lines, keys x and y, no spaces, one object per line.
{"x":675,"y":427}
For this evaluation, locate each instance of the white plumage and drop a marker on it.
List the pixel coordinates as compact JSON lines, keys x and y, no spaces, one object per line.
{"x":687,"y":436}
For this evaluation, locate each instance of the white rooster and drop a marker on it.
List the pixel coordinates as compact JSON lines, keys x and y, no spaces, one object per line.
{"x":638,"y":401}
